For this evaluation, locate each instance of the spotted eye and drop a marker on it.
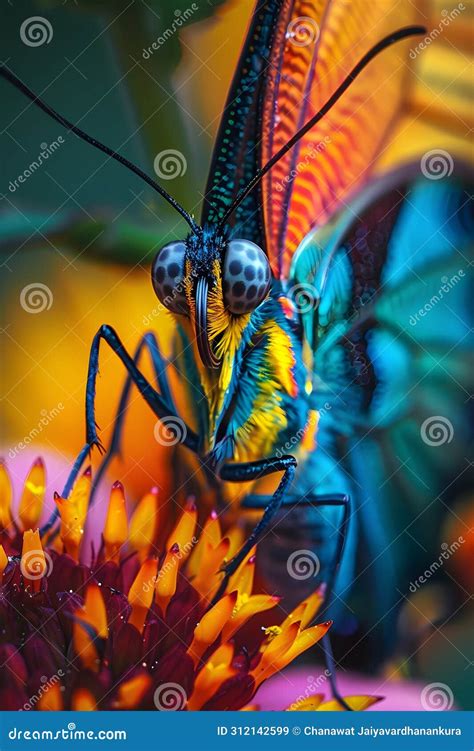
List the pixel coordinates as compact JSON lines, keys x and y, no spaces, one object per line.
{"x":247,"y":276}
{"x":167,"y":276}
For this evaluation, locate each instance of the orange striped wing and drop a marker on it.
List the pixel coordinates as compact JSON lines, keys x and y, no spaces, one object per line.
{"x":316,"y":45}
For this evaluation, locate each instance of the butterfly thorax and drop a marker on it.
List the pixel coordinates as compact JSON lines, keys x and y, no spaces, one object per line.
{"x":256,"y":401}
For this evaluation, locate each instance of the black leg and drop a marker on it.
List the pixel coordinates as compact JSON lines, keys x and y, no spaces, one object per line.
{"x":148,"y":342}
{"x":292,"y":500}
{"x":255,"y":501}
{"x":81,"y":457}
{"x":153,"y":398}
{"x":331,"y":669}
{"x":246,"y":472}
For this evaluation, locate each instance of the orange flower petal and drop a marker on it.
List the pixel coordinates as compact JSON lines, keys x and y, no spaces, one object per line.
{"x":83,"y":701}
{"x":52,"y":699}
{"x":211,"y":625}
{"x":144,"y":523}
{"x":236,"y":537}
{"x":93,"y":613}
{"x":214,"y":673}
{"x":3,"y":560}
{"x":252,"y":605}
{"x":357,"y":703}
{"x":308,"y":704}
{"x":132,"y":691}
{"x":273,"y":653}
{"x":306,"y":610}
{"x":141,"y":593}
{"x":209,"y":539}
{"x":244,"y":583}
{"x":34,"y":565}
{"x":73,"y":513}
{"x":209,"y":575}
{"x":167,"y":576}
{"x":32,"y":498}
{"x":116,"y":523}
{"x":305,"y":639}
{"x":6,"y":495}
{"x":183,"y":533}
{"x":242,"y":571}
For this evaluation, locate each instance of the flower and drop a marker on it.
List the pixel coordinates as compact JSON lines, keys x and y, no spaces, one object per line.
{"x":142,"y":624}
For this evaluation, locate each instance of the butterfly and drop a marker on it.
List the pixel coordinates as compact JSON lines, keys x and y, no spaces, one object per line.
{"x":283,"y":294}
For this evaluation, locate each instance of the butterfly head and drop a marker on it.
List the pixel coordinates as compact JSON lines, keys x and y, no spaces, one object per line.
{"x":215,"y":281}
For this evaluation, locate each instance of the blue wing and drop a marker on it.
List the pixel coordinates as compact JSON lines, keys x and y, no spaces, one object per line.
{"x":391,"y":344}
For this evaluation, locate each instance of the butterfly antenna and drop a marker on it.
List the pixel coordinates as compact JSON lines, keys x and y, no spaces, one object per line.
{"x":9,"y":76}
{"x":387,"y":41}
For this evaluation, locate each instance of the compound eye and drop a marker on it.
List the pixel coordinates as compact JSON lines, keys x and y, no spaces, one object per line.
{"x":167,"y":276}
{"x":247,"y":276}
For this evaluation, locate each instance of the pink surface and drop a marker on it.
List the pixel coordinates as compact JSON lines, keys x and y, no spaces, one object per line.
{"x":57,"y":471}
{"x":290,"y":686}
